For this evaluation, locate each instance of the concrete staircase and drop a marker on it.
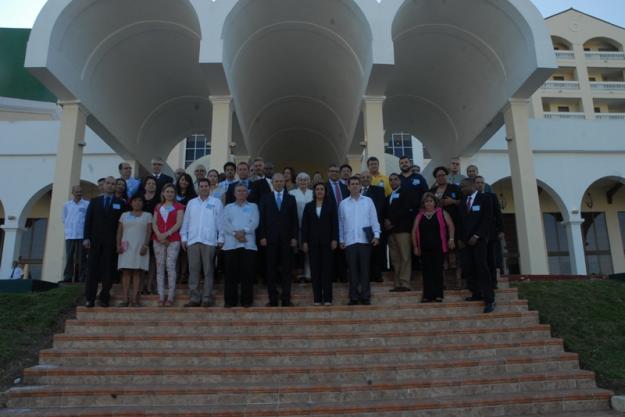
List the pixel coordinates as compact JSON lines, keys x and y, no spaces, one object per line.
{"x":396,"y":358}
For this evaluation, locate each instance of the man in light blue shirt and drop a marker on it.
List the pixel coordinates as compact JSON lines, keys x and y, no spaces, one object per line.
{"x":359,"y":229}
{"x":239,"y":222}
{"x":132,"y":184}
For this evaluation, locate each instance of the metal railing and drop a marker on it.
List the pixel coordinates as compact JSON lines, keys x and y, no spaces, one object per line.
{"x":610,"y":116}
{"x":608,"y":85}
{"x":564,"y":115}
{"x":606,"y":55}
{"x":565,"y":54}
{"x":561,"y":85}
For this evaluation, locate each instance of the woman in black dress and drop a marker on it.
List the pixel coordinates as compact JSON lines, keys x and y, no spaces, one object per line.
{"x":432,"y":236}
{"x":320,"y":235}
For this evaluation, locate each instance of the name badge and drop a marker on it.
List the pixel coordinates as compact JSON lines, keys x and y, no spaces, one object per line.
{"x":475,"y":208}
{"x":381,"y":183}
{"x":210,"y":206}
{"x":82,"y":210}
{"x":246,"y":209}
{"x":416,"y":182}
{"x":116,"y":206}
{"x":453,"y":195}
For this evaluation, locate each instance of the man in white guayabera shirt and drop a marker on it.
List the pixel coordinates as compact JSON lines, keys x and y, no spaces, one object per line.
{"x":74,"y":212}
{"x":200,"y":235}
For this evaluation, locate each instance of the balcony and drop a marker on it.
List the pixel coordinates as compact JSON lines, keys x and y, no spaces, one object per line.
{"x":605,"y":56}
{"x":561,"y":85}
{"x":565,"y":54}
{"x":610,"y":116}
{"x":608,"y":85}
{"x":564,"y":115}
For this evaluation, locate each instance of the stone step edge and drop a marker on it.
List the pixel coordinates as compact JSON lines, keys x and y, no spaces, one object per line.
{"x":207,"y":389}
{"x":54,"y":352}
{"x":56,"y":370}
{"x":302,"y":336}
{"x":296,"y":309}
{"x":293,"y":409}
{"x":298,"y":322}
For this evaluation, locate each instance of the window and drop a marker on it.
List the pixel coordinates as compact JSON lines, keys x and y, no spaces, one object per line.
{"x":563,"y":109}
{"x":597,"y":109}
{"x":592,"y":79}
{"x":197,"y":147}
{"x":32,"y":246}
{"x":557,"y":244}
{"x":400,"y":145}
{"x":558,"y":77}
{"x":596,"y":244}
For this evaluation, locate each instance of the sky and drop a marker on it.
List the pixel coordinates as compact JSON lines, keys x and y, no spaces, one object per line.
{"x":22,"y":13}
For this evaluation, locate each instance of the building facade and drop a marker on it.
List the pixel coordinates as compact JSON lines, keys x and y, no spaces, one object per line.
{"x":574,"y":126}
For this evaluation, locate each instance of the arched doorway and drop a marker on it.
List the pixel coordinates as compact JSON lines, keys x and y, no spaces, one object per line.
{"x":553,"y":212}
{"x":603,"y":211}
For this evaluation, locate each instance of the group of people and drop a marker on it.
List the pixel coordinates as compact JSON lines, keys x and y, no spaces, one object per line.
{"x":250,"y":220}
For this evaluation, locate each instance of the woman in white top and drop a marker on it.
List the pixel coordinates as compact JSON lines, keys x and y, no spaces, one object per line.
{"x":303,"y":195}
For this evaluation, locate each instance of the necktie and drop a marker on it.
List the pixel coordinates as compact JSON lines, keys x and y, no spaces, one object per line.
{"x":279,"y":200}
{"x":106,"y":202}
{"x":469,"y":203}
{"x":337,"y":193}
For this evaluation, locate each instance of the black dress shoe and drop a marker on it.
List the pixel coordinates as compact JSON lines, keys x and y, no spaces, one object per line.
{"x":289,"y":304}
{"x":229,"y":305}
{"x":394,"y":289}
{"x":366,"y":302}
{"x":403,"y":289}
{"x":192,"y":304}
{"x":426,"y":300}
{"x":247,"y":305}
{"x":489,"y":308}
{"x":270,"y":304}
{"x":104,"y":304}
{"x":378,"y":279}
{"x":352,"y":303}
{"x":89,"y":304}
{"x":474,"y":298}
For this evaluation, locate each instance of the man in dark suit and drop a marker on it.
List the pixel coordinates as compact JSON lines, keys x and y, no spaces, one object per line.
{"x":338,"y":192}
{"x":477,"y":219}
{"x":378,"y":253}
{"x":278,"y":232}
{"x":261,"y":184}
{"x":496,"y":231}
{"x":398,"y":221}
{"x":161,"y":178}
{"x":243,"y":172}
{"x":101,"y":221}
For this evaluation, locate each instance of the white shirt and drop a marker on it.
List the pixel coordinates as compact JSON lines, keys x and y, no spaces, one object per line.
{"x":301,"y":198}
{"x":202,"y":222}
{"x":240,"y":217}
{"x":74,"y":219}
{"x":354,"y":215}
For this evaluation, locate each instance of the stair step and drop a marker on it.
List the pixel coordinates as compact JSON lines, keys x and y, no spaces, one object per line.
{"x":300,"y":340}
{"x":303,"y":313}
{"x":494,"y":405}
{"x":296,"y":357}
{"x":153,"y":374}
{"x":214,"y":394}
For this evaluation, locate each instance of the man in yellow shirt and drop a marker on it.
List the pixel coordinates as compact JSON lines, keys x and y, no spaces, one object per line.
{"x":377,"y":178}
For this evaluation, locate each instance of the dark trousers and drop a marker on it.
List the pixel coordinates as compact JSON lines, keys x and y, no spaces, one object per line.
{"x":433,"y":274}
{"x":475,"y":268}
{"x":278,"y":260}
{"x":100,"y":263}
{"x":321,"y":271}
{"x":358,"y":261}
{"x":76,"y":265}
{"x":239,"y":264}
{"x":340,"y":266}
{"x":378,"y":260}
{"x":493,"y":247}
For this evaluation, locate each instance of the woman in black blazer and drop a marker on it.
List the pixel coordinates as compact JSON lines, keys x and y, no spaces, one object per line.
{"x":320,"y":234}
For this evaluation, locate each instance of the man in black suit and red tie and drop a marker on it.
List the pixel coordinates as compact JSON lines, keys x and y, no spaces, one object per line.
{"x":161,"y":178}
{"x":101,"y":221}
{"x":278,"y":233}
{"x":477,"y":220}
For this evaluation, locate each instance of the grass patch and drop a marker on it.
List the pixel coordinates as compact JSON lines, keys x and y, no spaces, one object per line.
{"x":27,"y":323}
{"x":590,"y":317}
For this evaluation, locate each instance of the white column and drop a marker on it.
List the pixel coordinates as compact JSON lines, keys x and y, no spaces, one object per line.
{"x":616,"y":240}
{"x":10,"y":248}
{"x":66,"y":175}
{"x":221,"y":132}
{"x":373,"y":117}
{"x":575,"y":241}
{"x":529,"y":224}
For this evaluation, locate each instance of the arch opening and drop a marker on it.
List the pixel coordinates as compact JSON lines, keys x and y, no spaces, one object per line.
{"x":297,"y":104}
{"x":602,"y":44}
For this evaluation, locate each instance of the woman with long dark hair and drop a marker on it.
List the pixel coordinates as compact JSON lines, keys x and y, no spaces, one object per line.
{"x":320,"y":235}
